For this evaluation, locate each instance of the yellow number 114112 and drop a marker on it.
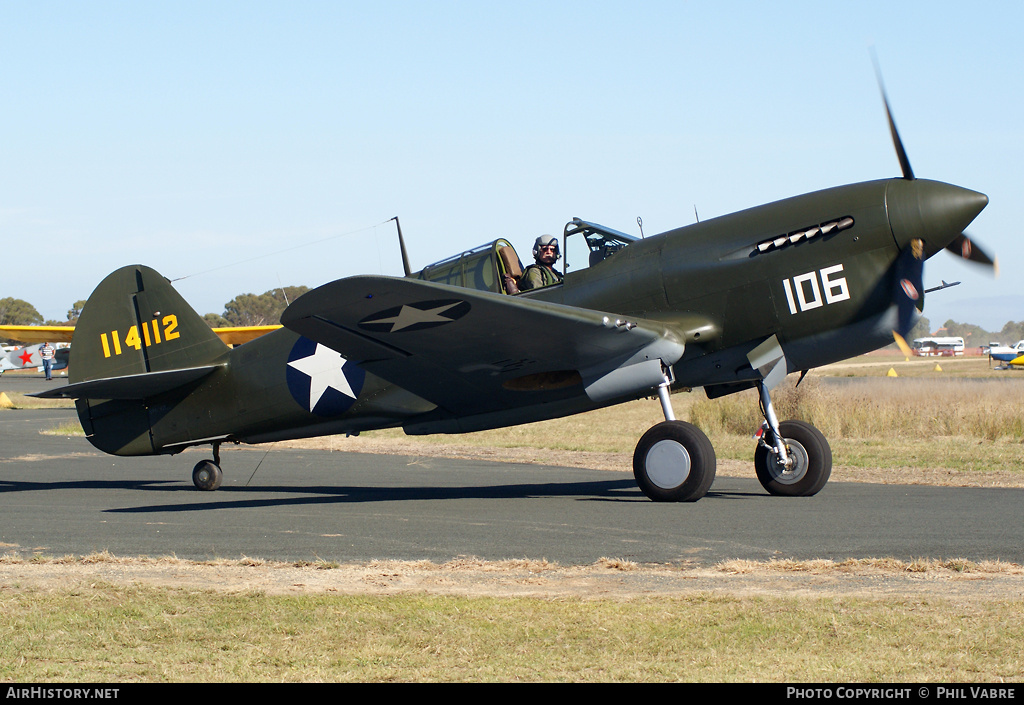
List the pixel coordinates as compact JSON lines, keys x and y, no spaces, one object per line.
{"x":153,"y":333}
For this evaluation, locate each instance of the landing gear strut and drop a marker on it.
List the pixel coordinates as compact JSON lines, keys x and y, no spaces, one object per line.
{"x":674,"y":461}
{"x":207,"y":475}
{"x":792,"y":458}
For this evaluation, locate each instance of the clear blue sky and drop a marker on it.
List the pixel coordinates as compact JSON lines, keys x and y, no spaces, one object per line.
{"x":246,"y":145}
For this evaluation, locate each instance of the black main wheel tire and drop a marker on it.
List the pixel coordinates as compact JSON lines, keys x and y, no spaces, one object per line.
{"x":812,"y":462}
{"x":207,"y":475}
{"x":674,"y":462}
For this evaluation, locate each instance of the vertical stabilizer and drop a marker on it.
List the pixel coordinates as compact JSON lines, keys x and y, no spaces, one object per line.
{"x":135,"y":322}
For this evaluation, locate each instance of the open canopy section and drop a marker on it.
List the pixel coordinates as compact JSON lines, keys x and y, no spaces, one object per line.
{"x":588,"y":244}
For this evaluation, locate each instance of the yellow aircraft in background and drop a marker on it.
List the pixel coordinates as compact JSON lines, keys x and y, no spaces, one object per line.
{"x":63,"y":334}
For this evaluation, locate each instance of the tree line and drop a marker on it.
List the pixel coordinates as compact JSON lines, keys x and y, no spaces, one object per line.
{"x":974,"y":336}
{"x":256,"y":310}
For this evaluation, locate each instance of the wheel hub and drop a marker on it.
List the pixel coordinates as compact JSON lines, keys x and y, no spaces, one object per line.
{"x":795,"y":469}
{"x":668,"y":464}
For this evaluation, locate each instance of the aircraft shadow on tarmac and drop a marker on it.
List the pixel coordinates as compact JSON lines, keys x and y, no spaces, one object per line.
{"x":617,"y":490}
{"x":28,"y":486}
{"x":243,"y":497}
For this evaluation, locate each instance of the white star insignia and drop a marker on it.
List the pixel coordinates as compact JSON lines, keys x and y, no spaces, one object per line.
{"x":324,"y":369}
{"x":410,"y":316}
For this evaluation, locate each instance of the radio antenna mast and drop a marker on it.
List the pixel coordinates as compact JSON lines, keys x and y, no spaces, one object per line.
{"x":401,"y":244}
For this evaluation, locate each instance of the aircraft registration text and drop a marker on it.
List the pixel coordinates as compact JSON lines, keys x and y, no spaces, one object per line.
{"x":153,"y":332}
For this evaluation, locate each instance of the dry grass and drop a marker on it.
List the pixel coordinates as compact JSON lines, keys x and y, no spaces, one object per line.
{"x":471,"y":576}
{"x":882,"y":408}
{"x":103,"y":618}
{"x":887,"y":565}
{"x":23,"y":401}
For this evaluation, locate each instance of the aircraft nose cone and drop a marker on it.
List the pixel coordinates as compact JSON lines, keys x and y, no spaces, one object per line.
{"x":931,"y":211}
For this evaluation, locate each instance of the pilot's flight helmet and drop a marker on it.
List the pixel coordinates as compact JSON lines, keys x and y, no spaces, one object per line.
{"x":546,"y":240}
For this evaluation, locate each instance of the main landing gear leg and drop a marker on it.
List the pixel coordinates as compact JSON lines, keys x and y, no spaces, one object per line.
{"x":207,"y":475}
{"x":792,"y":458}
{"x":674,"y":461}
{"x":772,"y":422}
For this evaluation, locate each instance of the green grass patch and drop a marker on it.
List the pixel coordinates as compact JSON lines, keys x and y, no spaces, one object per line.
{"x":110,"y":633}
{"x":70,"y":428}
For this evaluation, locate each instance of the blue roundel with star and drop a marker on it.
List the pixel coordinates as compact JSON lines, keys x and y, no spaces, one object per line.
{"x":321,"y":380}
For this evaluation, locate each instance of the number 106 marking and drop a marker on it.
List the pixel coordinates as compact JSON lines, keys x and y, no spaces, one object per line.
{"x":809,"y":294}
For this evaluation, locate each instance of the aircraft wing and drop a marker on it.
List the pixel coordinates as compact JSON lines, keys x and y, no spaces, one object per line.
{"x":242,"y":334}
{"x":62,"y":334}
{"x":473,"y":352}
{"x":38,"y":334}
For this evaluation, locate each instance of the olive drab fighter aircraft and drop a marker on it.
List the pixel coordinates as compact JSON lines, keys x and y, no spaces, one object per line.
{"x":726,"y":304}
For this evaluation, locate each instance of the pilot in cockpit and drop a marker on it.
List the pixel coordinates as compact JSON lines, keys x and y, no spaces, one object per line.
{"x":542,"y":272}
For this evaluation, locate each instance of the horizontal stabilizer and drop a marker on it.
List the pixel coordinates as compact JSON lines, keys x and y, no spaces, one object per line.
{"x":140,"y":386}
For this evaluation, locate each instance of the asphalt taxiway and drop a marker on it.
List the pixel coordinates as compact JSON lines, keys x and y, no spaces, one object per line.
{"x":60,"y":496}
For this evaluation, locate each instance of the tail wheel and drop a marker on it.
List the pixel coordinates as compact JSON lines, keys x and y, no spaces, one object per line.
{"x":674,"y":462}
{"x":207,"y":475}
{"x":811,"y":467}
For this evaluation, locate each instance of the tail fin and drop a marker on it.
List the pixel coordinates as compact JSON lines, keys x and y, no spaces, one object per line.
{"x":134,"y":323}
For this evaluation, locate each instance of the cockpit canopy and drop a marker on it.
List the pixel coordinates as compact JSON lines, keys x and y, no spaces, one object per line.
{"x":481,"y":268}
{"x":484,"y":268}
